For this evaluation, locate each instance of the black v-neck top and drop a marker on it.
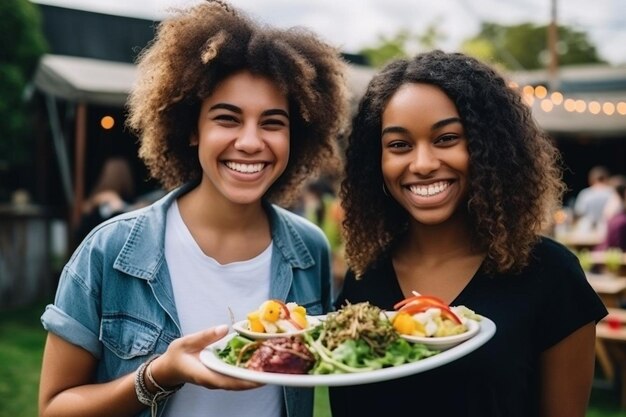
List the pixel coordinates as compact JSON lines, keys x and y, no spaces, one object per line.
{"x":533,"y":310}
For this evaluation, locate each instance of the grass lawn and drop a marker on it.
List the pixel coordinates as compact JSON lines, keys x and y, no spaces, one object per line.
{"x":21,"y":346}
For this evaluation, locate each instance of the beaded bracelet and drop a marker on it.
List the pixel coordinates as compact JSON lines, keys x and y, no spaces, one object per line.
{"x":143,"y":394}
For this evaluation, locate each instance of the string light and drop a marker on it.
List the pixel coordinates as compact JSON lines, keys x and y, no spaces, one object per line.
{"x":557,"y":98}
{"x":541,"y":91}
{"x":581,"y":106}
{"x":594,"y":107}
{"x":608,"y":108}
{"x":107,"y":122}
{"x":570,"y":105}
{"x":547,"y":105}
{"x":548,"y":101}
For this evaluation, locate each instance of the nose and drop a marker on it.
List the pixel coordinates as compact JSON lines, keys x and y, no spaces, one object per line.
{"x":249,"y":139}
{"x":425,"y":160}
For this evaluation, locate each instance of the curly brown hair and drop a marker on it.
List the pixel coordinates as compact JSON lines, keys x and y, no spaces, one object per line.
{"x":515,"y":170}
{"x":195,"y":50}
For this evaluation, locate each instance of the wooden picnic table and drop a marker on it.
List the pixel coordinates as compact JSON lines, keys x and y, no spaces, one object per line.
{"x":598,"y":258}
{"x":610,"y":288}
{"x":579,"y":241}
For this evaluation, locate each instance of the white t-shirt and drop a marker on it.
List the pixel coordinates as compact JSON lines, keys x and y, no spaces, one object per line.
{"x":204,"y":290}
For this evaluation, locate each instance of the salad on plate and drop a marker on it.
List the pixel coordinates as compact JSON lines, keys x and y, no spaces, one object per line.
{"x":357,"y":338}
{"x":358,"y":344}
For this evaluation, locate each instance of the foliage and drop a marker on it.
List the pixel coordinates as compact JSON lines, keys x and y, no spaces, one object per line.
{"x":525,"y":46}
{"x":21,"y":346}
{"x":613,"y":260}
{"x":21,"y":45}
{"x":402,"y":44}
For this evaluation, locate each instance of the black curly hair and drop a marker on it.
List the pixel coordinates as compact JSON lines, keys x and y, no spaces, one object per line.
{"x":195,"y":50}
{"x":515,"y":171}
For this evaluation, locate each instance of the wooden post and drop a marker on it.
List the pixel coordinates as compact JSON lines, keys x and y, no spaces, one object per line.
{"x":553,"y":39}
{"x":79,"y":163}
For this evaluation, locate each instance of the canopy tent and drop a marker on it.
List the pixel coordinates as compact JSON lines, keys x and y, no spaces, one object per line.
{"x":80,"y":82}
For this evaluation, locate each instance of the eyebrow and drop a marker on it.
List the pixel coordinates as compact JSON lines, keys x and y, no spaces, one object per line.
{"x":235,"y":109}
{"x":437,"y":125}
{"x":445,"y":122}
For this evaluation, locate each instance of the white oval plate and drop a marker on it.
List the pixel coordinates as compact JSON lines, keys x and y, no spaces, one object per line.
{"x":446,"y":342}
{"x":209,"y":358}
{"x":241,"y":327}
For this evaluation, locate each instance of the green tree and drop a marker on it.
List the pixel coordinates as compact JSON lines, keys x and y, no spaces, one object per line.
{"x":525,"y":46}
{"x":21,"y":45}
{"x":402,"y":44}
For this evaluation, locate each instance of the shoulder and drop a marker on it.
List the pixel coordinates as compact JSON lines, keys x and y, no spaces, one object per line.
{"x":116,"y":228}
{"x":555,"y":269}
{"x":619,"y":219}
{"x":108,"y":238}
{"x":550,"y":253}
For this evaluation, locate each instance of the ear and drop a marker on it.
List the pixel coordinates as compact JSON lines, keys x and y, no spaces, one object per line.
{"x":194,"y":140}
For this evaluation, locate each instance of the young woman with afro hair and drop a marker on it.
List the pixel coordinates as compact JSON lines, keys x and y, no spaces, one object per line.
{"x":448,"y":185}
{"x":232,"y":116}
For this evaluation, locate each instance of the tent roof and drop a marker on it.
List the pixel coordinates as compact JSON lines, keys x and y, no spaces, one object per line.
{"x":85,"y":80}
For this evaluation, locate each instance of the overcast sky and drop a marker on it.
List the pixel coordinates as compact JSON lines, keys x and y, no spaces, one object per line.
{"x":354,"y":24}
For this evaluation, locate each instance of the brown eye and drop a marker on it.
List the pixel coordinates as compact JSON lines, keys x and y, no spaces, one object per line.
{"x":447,"y":139}
{"x":226,"y":118}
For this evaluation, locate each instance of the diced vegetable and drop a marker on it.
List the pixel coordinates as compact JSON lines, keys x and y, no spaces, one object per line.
{"x":270,"y":311}
{"x":254,"y":322}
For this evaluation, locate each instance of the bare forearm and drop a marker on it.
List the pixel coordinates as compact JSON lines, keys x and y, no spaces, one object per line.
{"x":112,"y":399}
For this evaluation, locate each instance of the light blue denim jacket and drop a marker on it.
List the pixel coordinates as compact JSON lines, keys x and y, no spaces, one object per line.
{"x":115,"y":297}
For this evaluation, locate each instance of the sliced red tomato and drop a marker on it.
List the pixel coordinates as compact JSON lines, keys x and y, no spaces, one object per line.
{"x":288,"y":315}
{"x":420,"y":306}
{"x":428,"y":298}
{"x":451,"y":315}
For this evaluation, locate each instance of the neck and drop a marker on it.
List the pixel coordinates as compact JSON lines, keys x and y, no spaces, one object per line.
{"x":441,"y":241}
{"x":218,"y":214}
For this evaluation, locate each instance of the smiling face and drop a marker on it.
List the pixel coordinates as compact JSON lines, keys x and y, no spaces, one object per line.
{"x":243,"y":138}
{"x":425,"y":157}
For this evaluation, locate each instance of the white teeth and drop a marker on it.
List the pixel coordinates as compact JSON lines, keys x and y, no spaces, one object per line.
{"x":245,"y":168}
{"x":429,"y":190}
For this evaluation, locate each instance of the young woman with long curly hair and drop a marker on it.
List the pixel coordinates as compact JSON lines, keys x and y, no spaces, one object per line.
{"x":232,"y":116}
{"x":448,"y":185}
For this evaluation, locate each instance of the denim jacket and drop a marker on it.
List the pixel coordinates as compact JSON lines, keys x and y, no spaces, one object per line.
{"x":115,"y":297}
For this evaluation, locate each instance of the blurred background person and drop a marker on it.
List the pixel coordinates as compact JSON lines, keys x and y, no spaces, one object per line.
{"x":616,"y":202}
{"x":616,"y":226}
{"x":114,"y":193}
{"x":591,"y":202}
{"x":114,"y":190}
{"x":321,"y":205}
